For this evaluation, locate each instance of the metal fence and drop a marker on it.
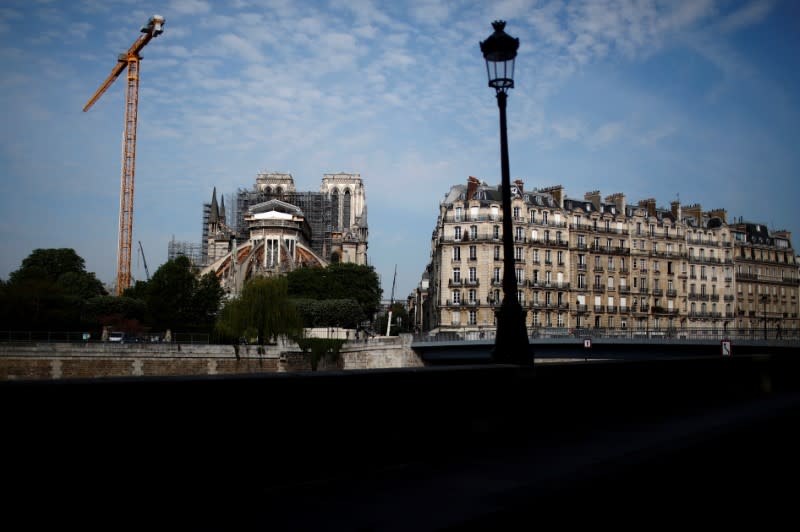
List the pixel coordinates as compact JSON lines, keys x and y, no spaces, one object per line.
{"x":84,"y":337}
{"x":773,"y":334}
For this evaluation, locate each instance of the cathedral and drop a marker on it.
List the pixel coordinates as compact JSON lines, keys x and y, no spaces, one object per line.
{"x":274,"y":229}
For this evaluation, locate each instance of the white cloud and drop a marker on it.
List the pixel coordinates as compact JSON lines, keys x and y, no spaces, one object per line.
{"x":430,"y":11}
{"x":244,"y":48}
{"x":571,"y":129}
{"x":605,"y":134}
{"x":748,"y":15}
{"x":189,"y":7}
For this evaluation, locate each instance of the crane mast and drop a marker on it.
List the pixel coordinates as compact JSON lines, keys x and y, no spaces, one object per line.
{"x":130,"y":61}
{"x":144,"y":261}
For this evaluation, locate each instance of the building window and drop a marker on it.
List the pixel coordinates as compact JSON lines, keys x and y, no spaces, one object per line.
{"x":497,"y":253}
{"x":518,"y":236}
{"x":473,"y":317}
{"x":473,"y":232}
{"x":456,"y":297}
{"x":456,"y":318}
{"x":518,"y":253}
{"x":516,"y":213}
{"x":581,"y":280}
{"x":496,"y":275}
{"x":472,"y":293}
{"x":459,"y":214}
{"x":456,"y":253}
{"x":456,"y":275}
{"x":496,"y":232}
{"x":473,"y":275}
{"x":520,"y":275}
{"x":560,"y":319}
{"x":473,"y":253}
{"x":272,"y":253}
{"x":457,"y":234}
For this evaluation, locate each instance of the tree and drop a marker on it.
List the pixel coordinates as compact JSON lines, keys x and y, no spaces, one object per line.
{"x":49,"y":291}
{"x":121,"y":313}
{"x":338,"y":281}
{"x":207,"y":299}
{"x":169,"y":294}
{"x":177,"y":299}
{"x":400,"y":320}
{"x":330,"y":312}
{"x":263,"y":309}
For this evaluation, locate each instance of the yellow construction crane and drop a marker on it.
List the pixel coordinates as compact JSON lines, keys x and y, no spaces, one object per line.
{"x":129,"y":60}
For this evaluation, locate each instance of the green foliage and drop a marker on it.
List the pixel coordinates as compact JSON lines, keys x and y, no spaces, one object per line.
{"x":263,"y":308}
{"x":48,"y":292}
{"x":338,"y":281}
{"x":112,"y":310}
{"x":399,"y":315}
{"x":321,"y":347}
{"x":330,"y":312}
{"x":176,"y":299}
{"x":49,"y":264}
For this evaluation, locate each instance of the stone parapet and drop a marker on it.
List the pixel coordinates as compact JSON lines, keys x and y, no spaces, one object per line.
{"x":24,"y":361}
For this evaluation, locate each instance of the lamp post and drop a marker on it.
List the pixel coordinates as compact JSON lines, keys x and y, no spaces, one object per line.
{"x":764,"y":298}
{"x":511,"y":340}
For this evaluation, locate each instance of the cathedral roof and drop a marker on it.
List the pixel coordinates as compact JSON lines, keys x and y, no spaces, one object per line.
{"x":276,"y":205}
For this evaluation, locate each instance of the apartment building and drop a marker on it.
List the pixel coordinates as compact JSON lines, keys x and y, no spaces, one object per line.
{"x":602,"y":263}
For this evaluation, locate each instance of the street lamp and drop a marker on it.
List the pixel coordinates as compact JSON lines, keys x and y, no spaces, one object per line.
{"x":511,"y":340}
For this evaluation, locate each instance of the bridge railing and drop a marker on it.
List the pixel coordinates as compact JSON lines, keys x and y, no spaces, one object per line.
{"x":80,"y":336}
{"x":544,"y":333}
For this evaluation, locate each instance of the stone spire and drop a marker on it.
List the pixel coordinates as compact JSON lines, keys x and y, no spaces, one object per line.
{"x":213,"y":217}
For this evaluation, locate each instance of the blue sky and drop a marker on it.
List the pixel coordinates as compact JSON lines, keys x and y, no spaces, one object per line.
{"x":698,"y":100}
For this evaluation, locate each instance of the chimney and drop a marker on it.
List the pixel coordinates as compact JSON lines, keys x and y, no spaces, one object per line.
{"x":519,"y":184}
{"x":650,"y":205}
{"x":594,"y":197}
{"x":676,"y":210}
{"x":472,"y":186}
{"x":722,"y":214}
{"x":695,"y":211}
{"x":557,"y":192}
{"x":618,"y":200}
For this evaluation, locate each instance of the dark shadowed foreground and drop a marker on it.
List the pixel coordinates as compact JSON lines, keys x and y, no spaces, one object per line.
{"x":462,"y":448}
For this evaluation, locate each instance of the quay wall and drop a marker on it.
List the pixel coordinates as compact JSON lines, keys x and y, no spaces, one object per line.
{"x":53,"y":361}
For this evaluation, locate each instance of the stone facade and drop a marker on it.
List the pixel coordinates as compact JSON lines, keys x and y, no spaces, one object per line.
{"x":278,"y":229}
{"x":601,"y":263}
{"x":95,"y":360}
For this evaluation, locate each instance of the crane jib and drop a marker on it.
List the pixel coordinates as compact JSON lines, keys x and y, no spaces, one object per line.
{"x":129,"y":60}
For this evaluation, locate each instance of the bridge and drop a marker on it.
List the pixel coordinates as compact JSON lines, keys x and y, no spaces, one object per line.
{"x":551,"y":345}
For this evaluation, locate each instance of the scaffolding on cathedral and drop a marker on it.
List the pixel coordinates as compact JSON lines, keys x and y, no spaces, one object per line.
{"x":316,"y":207}
{"x":193,"y":251}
